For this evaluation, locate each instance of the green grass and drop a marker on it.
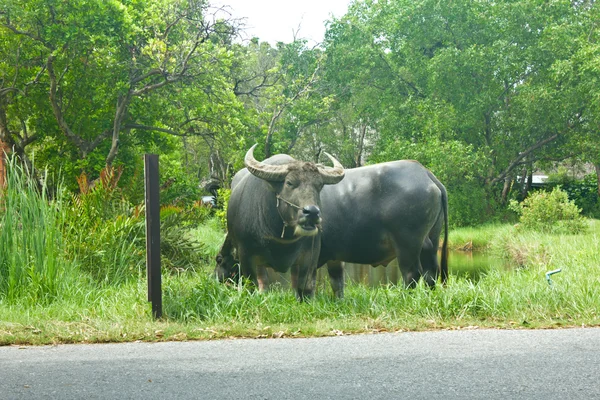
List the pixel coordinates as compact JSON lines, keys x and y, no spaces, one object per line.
{"x":476,"y":238}
{"x":198,"y":307}
{"x":45,"y":297}
{"x":210,"y":236}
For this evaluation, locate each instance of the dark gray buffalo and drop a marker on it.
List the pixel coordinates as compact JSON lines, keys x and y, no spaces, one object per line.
{"x":381,"y":212}
{"x":385,"y":211}
{"x":273,"y":219}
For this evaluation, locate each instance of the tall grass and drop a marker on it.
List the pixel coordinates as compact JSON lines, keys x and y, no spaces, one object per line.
{"x":32,"y":263}
{"x":196,"y":306}
{"x":519,"y":296}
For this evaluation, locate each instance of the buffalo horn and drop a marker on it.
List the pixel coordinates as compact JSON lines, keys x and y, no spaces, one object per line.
{"x":273,"y":173}
{"x":332,"y":175}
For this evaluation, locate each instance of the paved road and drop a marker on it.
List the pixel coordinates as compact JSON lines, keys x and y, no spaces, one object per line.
{"x":477,"y":364}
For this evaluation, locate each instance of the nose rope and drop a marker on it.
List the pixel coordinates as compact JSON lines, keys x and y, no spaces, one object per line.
{"x":286,"y":201}
{"x":285,"y":224}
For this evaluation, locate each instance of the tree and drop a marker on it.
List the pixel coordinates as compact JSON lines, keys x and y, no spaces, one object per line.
{"x":115,"y":67}
{"x":476,"y":76}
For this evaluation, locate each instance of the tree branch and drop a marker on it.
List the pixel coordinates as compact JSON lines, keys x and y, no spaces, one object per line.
{"x":30,"y":35}
{"x":521,"y":156}
{"x":80,"y":143}
{"x":286,"y":104}
{"x":153,"y":128}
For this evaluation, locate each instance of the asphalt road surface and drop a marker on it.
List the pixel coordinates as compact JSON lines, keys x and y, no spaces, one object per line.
{"x":473,"y":364}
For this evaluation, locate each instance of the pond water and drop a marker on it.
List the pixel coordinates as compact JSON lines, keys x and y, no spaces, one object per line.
{"x":470,"y":265}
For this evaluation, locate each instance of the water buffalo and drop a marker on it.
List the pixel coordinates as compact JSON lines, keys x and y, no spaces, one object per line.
{"x":385,"y":211}
{"x":381,"y":212}
{"x":273,"y":218}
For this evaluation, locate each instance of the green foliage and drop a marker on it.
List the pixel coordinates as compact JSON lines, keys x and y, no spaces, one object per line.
{"x":419,"y":71}
{"x":210,"y":236}
{"x":33,"y":267}
{"x":180,"y":250}
{"x":584,"y":192}
{"x":104,"y":234}
{"x":469,"y":205}
{"x":222,"y":203}
{"x":136,"y":71}
{"x":550,"y":212}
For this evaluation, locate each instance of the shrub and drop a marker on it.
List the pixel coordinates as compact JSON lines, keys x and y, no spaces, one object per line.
{"x":550,"y":212}
{"x":105,"y":233}
{"x":179,"y":249}
{"x":584,"y":192}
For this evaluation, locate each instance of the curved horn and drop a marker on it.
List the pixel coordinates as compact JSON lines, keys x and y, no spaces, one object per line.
{"x":274,"y":173}
{"x":332,"y":175}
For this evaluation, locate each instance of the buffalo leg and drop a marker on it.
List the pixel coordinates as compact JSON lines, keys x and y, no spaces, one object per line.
{"x":336,"y":278}
{"x":429,"y":253}
{"x":429,"y":262}
{"x":263,"y":278}
{"x":409,"y":262}
{"x":255,"y":271}
{"x":305,"y":283}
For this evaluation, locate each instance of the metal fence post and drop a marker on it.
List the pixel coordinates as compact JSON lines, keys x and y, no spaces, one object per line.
{"x":152,"y":199}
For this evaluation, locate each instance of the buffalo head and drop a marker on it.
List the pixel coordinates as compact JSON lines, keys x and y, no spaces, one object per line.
{"x":227,"y":269}
{"x":297,"y":186}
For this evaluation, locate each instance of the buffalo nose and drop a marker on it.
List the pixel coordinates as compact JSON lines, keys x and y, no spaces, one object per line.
{"x":311,"y":211}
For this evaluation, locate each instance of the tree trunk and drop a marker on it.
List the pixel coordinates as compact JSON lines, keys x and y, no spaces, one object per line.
{"x":528,"y":184}
{"x":523,"y":185}
{"x":506,"y":189}
{"x":120,"y":114}
{"x":361,"y":144}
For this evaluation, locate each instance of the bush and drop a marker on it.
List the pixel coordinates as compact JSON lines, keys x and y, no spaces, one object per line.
{"x":179,"y":249}
{"x":550,"y":212}
{"x":584,"y":192}
{"x":104,"y":233}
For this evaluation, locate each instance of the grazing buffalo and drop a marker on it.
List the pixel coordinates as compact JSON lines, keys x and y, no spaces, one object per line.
{"x":273,"y":219}
{"x":381,"y":212}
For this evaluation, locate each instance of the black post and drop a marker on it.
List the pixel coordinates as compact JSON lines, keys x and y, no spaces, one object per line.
{"x":153,"y":233}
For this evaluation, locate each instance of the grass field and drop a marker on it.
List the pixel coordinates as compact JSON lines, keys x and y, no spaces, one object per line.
{"x":197,"y":307}
{"x":71,"y":270}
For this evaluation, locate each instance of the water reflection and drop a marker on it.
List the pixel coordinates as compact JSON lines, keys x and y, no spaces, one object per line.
{"x":469,"y":265}
{"x":472,"y":265}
